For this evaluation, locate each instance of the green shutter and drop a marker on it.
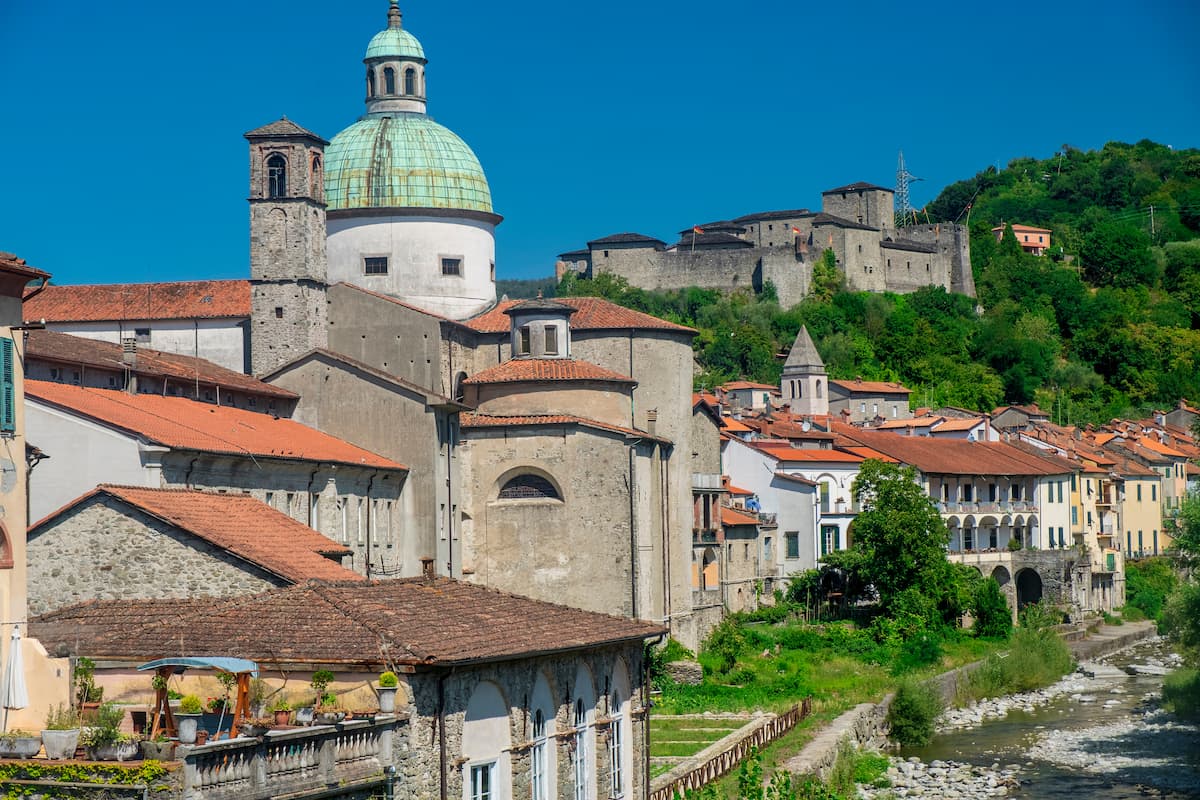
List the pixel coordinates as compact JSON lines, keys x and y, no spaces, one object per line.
{"x":8,"y":399}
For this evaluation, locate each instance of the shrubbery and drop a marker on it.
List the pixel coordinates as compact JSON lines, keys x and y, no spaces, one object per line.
{"x":993,"y":618}
{"x":1038,"y":657}
{"x":1147,"y":584}
{"x":1181,"y":693}
{"x":913,"y":713}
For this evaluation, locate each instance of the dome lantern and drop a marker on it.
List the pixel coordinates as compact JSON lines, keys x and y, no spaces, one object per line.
{"x":395,"y":68}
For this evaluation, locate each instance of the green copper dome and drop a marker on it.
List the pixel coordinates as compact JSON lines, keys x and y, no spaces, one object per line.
{"x":403,"y":160}
{"x":395,"y":43}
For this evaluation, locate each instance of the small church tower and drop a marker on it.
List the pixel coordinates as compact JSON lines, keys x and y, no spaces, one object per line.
{"x":288,"y":276}
{"x":803,"y":385}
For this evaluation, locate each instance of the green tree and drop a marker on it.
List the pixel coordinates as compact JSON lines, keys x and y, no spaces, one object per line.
{"x":993,"y":618}
{"x":1118,"y":254}
{"x":899,"y":542}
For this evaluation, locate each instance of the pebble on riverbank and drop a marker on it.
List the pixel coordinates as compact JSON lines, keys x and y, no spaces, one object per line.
{"x":944,"y":779}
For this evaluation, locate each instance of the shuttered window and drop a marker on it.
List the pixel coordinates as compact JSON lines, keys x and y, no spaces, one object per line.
{"x":8,"y":395}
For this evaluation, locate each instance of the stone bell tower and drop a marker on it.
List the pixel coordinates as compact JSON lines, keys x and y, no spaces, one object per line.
{"x":803,"y":385}
{"x":288,"y":279}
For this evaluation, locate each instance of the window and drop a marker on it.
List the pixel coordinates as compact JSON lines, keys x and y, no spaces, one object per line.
{"x":314,"y":512}
{"x":993,"y":539}
{"x":830,"y":539}
{"x":1072,"y":483}
{"x":523,"y":340}
{"x":1154,"y":540}
{"x":538,"y":772}
{"x":1060,"y":494}
{"x":528,"y":487}
{"x":862,"y":408}
{"x":766,"y":548}
{"x":276,"y":176}
{"x":824,"y":497}
{"x":344,"y":518}
{"x":269,"y":499}
{"x":967,"y":491}
{"x":1140,"y":545}
{"x":410,"y":81}
{"x":141,"y":335}
{"x":1153,"y":492}
{"x":1128,"y":541}
{"x":551,"y":340}
{"x":968,"y":538}
{"x":8,"y":396}
{"x":389,"y":80}
{"x":581,"y":752}
{"x":615,"y":748}
{"x":452,"y":266}
{"x":1139,"y":492}
{"x":278,"y":312}
{"x":1074,"y":515}
{"x":991,"y":492}
{"x":481,"y":781}
{"x":792,"y":538}
{"x":370,"y":83}
{"x":375,"y":265}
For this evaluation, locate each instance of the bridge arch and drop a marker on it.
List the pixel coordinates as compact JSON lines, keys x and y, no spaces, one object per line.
{"x":1029,"y":587}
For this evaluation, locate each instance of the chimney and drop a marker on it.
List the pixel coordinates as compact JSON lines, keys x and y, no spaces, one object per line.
{"x":129,"y":351}
{"x":427,"y":568}
{"x":651,"y":421}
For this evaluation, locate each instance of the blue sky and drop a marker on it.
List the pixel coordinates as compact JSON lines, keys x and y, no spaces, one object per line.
{"x":124,"y":158}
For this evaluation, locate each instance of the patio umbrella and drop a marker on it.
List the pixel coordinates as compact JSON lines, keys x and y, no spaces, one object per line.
{"x":13,"y":693}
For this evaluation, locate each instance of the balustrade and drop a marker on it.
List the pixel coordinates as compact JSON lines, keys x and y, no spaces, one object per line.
{"x":290,"y":762}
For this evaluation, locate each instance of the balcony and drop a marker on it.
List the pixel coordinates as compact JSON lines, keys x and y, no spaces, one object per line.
{"x":352,"y":757}
{"x":705,"y":598}
{"x":704,"y":536}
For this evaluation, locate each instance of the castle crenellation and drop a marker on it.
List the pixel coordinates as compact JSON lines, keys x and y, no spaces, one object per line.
{"x":780,"y":248}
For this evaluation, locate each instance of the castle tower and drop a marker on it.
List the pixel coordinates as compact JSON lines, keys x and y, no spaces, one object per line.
{"x":287,"y":244}
{"x":803,"y":385}
{"x":410,"y":210}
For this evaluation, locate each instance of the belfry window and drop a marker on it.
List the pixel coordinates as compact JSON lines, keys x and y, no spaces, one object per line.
{"x":389,"y":80}
{"x":277,"y":176}
{"x":410,"y":81}
{"x":370,"y":82}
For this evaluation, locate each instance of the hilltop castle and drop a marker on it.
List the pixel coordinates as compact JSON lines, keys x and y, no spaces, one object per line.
{"x":780,"y":248}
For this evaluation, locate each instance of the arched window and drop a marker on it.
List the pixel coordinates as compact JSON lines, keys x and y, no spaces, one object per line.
{"x":538,"y":758}
{"x":542,"y":778}
{"x":6,"y":552}
{"x":528,"y":487}
{"x":277,"y":176}
{"x":410,"y":81}
{"x":818,"y":388}
{"x":389,"y":81}
{"x":370,"y":82}
{"x":616,"y":747}
{"x":317,"y":182}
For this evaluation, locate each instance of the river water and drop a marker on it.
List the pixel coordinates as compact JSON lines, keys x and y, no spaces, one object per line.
{"x":1105,"y":739}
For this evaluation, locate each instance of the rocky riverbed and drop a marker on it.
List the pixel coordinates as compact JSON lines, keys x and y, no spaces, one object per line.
{"x":953,"y":780}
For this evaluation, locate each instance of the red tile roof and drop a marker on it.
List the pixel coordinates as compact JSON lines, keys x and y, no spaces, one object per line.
{"x":190,"y":425}
{"x":731,"y":516}
{"x":546,"y":369}
{"x":738,"y":385}
{"x":134,"y":301}
{"x":12,"y":265}
{"x":954,"y":456}
{"x":237,"y":523}
{"x":468,"y":421}
{"x":67,"y":349}
{"x":871,"y":387}
{"x":784,"y":452}
{"x":413,"y":621}
{"x":594,"y":313}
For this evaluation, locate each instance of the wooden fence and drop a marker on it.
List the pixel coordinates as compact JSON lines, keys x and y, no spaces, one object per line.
{"x":728,"y":760}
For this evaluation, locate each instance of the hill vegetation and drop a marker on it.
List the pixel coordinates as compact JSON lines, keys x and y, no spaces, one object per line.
{"x":1107,"y":325}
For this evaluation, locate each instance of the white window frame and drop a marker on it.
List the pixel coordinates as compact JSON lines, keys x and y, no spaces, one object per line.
{"x":616,"y":748}
{"x":314,"y":511}
{"x":462,"y":265}
{"x":581,"y":766}
{"x":539,"y":764}
{"x":471,"y":789}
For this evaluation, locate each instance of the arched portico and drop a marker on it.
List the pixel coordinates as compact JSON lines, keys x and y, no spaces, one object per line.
{"x":1029,"y":587}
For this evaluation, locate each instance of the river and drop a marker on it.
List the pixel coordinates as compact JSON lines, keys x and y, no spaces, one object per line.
{"x":1104,"y":738}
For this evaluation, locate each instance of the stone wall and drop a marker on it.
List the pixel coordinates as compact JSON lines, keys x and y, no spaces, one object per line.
{"x":446,"y":695}
{"x":864,"y":726}
{"x":107,"y":550}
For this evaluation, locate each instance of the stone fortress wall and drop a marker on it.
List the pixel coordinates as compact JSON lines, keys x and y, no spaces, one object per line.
{"x":781,"y":247}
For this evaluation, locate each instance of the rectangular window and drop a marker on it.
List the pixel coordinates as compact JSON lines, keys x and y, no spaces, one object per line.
{"x":1072,"y":483}
{"x":824,"y":498}
{"x":141,"y":335}
{"x":1089,"y":519}
{"x":615,"y":758}
{"x":1062,"y":542}
{"x":1139,"y":492}
{"x":452,"y":266}
{"x":1060,"y":494}
{"x":1128,"y":542}
{"x":1074,"y":515}
{"x":314,"y":512}
{"x":767,"y":549}
{"x":375,"y":265}
{"x":523,"y":340}
{"x":968,"y":492}
{"x":1140,"y":545}
{"x":994,"y":538}
{"x":269,"y":499}
{"x":793,"y":544}
{"x":8,"y":395}
{"x":551,"y":340}
{"x":1153,"y":492}
{"x":830,"y":539}
{"x":481,"y":781}
{"x":1154,"y":540}
{"x":968,"y":538}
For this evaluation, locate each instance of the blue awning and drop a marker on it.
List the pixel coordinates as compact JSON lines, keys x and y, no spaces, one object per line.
{"x":234,"y":665}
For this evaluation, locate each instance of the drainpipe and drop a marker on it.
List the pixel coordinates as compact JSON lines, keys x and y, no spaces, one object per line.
{"x":450,"y":494}
{"x":633,"y":593}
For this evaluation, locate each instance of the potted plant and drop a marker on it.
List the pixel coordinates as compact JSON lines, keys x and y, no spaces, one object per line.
{"x":105,"y":741}
{"x":87,"y":694}
{"x":19,"y":744}
{"x":160,"y":748}
{"x":388,"y":684}
{"x":256,"y":726}
{"x":282,"y":710}
{"x":188,"y":717}
{"x":61,"y":734}
{"x":325,"y":706}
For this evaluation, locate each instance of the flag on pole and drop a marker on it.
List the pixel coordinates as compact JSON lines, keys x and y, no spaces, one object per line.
{"x":697,"y":229}
{"x":796,"y":230}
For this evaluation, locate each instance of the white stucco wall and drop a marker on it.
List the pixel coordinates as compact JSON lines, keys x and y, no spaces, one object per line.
{"x":221,"y":341}
{"x":415,"y":247}
{"x":794,"y":507}
{"x":1052,"y":513}
{"x":82,"y":456}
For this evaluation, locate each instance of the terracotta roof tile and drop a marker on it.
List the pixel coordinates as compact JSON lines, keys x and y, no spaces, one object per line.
{"x":955,"y":456}
{"x":177,"y":300}
{"x":468,"y":421}
{"x":594,"y":313}
{"x":64,"y":348}
{"x":238,"y":523}
{"x":731,"y":516}
{"x":415,"y":621}
{"x":546,"y":369}
{"x":785,"y":452}
{"x":190,"y":425}
{"x":871,"y":387}
{"x":16,"y":266}
{"x":736,"y":385}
